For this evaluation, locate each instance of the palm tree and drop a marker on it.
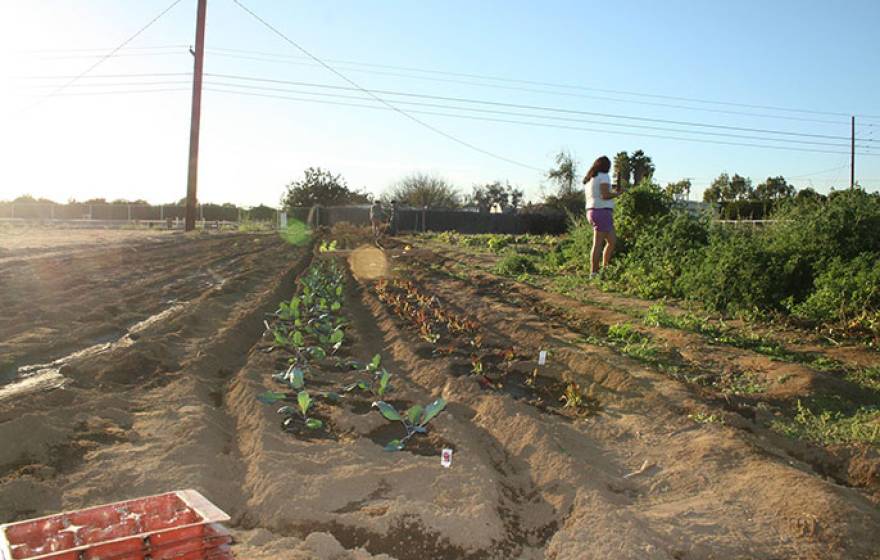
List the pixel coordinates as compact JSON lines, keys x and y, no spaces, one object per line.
{"x":622,"y":169}
{"x":641,"y":165}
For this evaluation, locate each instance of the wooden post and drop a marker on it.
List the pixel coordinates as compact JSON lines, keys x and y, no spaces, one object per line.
{"x":195,"y":119}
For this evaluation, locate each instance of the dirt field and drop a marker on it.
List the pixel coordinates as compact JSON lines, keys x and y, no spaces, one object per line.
{"x":166,"y":355}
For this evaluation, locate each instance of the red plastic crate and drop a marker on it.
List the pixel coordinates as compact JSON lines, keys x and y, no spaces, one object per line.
{"x":178,"y":525}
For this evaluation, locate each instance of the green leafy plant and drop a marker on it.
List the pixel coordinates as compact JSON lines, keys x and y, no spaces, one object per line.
{"x":514,"y":264}
{"x":414,"y":420}
{"x":300,"y":412}
{"x":379,"y":385}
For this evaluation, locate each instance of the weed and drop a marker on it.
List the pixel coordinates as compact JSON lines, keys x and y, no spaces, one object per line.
{"x":625,"y":333}
{"x":829,"y":420}
{"x":514,"y":264}
{"x":706,"y":418}
{"x":747,"y":383}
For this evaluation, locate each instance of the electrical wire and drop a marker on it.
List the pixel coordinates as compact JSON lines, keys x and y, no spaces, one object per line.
{"x":386,"y":103}
{"x":109,"y":54}
{"x":218,"y":52}
{"x":100,"y":50}
{"x":569,"y":86}
{"x":526,"y":106}
{"x":531,"y":115}
{"x":537,"y":124}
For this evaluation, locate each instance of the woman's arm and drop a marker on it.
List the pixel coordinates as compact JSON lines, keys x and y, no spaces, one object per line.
{"x":608,"y":193}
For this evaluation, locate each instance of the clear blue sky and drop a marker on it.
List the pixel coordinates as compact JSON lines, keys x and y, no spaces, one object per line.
{"x":794,"y":54}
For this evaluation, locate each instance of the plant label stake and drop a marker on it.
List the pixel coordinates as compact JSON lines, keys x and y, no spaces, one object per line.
{"x":446,"y":458}
{"x":542,"y":357}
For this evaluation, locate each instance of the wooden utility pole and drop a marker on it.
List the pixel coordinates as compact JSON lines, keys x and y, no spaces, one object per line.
{"x":193,"y":175}
{"x":852,"y":155}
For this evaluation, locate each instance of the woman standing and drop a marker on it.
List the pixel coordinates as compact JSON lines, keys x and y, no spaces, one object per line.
{"x":600,"y":210}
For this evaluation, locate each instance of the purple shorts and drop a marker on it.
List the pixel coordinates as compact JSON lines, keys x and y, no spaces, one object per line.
{"x":601,"y":219}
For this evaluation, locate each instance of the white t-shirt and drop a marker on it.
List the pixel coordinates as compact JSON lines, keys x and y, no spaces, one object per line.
{"x":594,"y":192}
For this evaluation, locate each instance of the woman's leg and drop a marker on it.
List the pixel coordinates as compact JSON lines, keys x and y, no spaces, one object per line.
{"x":611,"y":241}
{"x":596,"y":253}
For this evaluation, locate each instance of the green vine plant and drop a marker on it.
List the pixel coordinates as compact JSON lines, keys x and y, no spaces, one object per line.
{"x":414,"y":420}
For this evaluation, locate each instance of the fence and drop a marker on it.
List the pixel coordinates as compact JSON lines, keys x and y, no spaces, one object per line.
{"x":127,"y":212}
{"x":428,"y":219}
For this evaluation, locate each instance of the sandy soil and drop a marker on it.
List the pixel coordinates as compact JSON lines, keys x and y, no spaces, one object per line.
{"x":14,"y":239}
{"x":174,"y":406}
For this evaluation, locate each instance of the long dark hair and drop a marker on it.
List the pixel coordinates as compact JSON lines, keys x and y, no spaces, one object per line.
{"x":601,"y":165}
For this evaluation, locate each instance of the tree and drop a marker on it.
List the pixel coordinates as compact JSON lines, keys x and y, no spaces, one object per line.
{"x":641,"y":165}
{"x":774,"y":188}
{"x":491,"y":194}
{"x":422,"y":189}
{"x":728,"y":189}
{"x":319,"y":186}
{"x":622,"y":169}
{"x":810,"y":194}
{"x":567,"y":198}
{"x":739,"y":188}
{"x":565,"y":172}
{"x":679,"y":188}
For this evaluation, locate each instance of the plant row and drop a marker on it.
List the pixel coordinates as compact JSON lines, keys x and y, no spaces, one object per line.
{"x":492,"y":365}
{"x":310,"y":329}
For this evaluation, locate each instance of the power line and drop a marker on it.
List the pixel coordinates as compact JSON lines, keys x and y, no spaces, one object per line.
{"x":116,"y":92}
{"x":538,"y":124}
{"x":379,"y":99}
{"x":531,"y":115}
{"x":272,"y":57}
{"x":100,"y":50}
{"x":118,"y":84}
{"x":531,"y":107}
{"x":579,"y":87}
{"x":117,"y":55}
{"x":219,"y":52}
{"x":108,"y":76}
{"x":574,"y":87}
{"x":823,"y":172}
{"x":109,"y":54}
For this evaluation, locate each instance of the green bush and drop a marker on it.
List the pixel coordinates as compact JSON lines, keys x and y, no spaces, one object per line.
{"x":653,"y":265}
{"x":636,"y":209}
{"x":735,"y":272}
{"x":846,"y":292}
{"x":514,"y":264}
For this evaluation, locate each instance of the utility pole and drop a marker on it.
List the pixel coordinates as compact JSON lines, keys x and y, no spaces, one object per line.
{"x":852,"y":155}
{"x":193,"y":175}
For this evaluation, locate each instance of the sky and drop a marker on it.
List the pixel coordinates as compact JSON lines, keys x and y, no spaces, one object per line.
{"x":581,"y":76}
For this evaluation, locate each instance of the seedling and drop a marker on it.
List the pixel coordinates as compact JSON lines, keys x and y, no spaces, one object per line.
{"x":294,"y":378}
{"x":572,"y":397}
{"x":414,"y":420}
{"x":378,"y":386}
{"x":476,"y":365}
{"x":301,"y":412}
